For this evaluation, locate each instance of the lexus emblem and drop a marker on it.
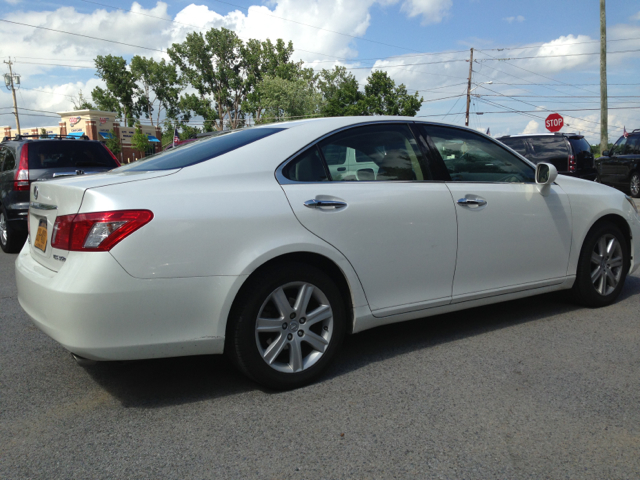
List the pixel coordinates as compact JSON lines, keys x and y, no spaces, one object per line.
{"x":35,"y":192}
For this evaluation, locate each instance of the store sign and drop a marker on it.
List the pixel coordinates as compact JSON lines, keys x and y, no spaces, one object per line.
{"x":74,"y":120}
{"x":103,"y":120}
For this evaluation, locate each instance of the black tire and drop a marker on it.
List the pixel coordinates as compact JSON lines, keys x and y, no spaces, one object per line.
{"x":634,"y":185}
{"x":594,"y":288}
{"x":250,"y":349}
{"x":10,"y":241}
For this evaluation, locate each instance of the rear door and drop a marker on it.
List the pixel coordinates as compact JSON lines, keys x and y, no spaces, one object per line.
{"x":510,"y":236}
{"x":394,"y":224}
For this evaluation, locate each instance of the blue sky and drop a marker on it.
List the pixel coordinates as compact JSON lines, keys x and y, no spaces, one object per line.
{"x":421,"y":43}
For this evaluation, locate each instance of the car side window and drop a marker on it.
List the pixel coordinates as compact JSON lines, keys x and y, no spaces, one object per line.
{"x":383,"y":152}
{"x":517,"y":144}
{"x":620,"y":148}
{"x":634,"y":145}
{"x":9,"y":158}
{"x":470,"y":157}
{"x":306,"y":167}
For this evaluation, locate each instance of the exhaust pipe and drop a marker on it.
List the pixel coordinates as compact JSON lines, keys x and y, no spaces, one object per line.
{"x":83,"y":362}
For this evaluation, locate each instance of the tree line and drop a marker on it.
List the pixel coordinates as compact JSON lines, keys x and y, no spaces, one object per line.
{"x":231,"y":83}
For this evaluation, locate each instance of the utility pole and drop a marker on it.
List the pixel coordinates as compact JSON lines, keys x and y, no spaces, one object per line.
{"x":466,"y":118}
{"x":604,"y":108}
{"x":9,"y":80}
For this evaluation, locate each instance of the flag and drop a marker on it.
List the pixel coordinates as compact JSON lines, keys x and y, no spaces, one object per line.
{"x":176,"y":138}
{"x":624,"y":133}
{"x":489,"y":131}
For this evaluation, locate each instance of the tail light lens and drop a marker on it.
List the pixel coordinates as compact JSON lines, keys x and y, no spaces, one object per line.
{"x":572,"y":163}
{"x":112,"y":155}
{"x":21,"y":179}
{"x":98,"y":231}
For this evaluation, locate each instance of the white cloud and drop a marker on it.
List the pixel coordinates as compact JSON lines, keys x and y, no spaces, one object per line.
{"x":13,"y":2}
{"x":518,"y":19}
{"x":432,"y":11}
{"x":532,"y":127}
{"x":636,"y":16}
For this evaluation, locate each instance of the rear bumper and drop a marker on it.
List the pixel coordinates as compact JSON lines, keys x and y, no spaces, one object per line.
{"x":93,"y":308}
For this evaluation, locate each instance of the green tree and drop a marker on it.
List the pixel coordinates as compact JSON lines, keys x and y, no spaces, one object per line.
{"x":122,"y":91}
{"x":160,"y":87}
{"x":139,"y":140}
{"x":382,"y":97}
{"x":287,"y":99}
{"x":341,"y":94}
{"x":81,"y":103}
{"x":113,"y":143}
{"x":43,"y":133}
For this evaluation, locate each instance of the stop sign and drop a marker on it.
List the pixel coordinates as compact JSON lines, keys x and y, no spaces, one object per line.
{"x":554,"y":122}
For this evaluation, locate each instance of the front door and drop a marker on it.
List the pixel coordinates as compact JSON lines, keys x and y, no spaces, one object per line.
{"x":509,"y":233}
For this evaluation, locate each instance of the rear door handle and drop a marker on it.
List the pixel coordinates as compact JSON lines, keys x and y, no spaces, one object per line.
{"x":472,"y":202}
{"x":314,"y":203}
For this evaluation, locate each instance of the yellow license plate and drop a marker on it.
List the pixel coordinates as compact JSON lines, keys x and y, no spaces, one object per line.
{"x":41,"y":237}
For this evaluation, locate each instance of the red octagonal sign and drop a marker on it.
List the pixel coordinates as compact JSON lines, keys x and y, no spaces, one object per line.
{"x":554,"y":122}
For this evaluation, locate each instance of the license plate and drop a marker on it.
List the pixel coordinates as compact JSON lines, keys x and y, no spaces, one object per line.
{"x":41,"y":237}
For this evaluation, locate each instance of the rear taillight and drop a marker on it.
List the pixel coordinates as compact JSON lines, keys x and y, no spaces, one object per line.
{"x":21,"y":180}
{"x":112,"y":155}
{"x":572,"y":163}
{"x":97,"y":232}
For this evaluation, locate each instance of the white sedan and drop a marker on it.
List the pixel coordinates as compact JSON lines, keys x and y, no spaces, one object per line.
{"x":272,"y":243}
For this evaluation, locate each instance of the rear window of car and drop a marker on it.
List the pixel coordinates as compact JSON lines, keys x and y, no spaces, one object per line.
{"x":200,"y":150}
{"x":579,"y":145}
{"x":517,"y":144}
{"x":68,"y":154}
{"x":551,"y":146}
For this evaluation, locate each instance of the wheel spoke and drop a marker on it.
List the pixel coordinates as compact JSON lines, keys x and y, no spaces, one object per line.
{"x":612,"y":278}
{"x":320,"y":314}
{"x":602,"y":282}
{"x":275,"y":349}
{"x":596,"y":274}
{"x":268,"y":325}
{"x":615,"y":262}
{"x":316,"y":341}
{"x":611,"y":247}
{"x":282,"y":302}
{"x":602,"y":246}
{"x":302,"y":302}
{"x":295,"y":359}
{"x":595,"y":258}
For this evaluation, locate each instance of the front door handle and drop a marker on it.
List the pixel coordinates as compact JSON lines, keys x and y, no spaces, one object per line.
{"x":314,"y":203}
{"x":472,"y":202}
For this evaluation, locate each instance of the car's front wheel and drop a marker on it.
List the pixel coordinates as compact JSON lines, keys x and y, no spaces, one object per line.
{"x":602,"y":267}
{"x":634,"y":185}
{"x":286,"y":326}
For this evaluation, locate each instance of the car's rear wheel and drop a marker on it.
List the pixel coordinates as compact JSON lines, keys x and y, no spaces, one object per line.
{"x":286,"y":326}
{"x":634,"y":185}
{"x":10,"y":241}
{"x":602,"y":266}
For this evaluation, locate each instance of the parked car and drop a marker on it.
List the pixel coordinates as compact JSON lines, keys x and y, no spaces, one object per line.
{"x":620,"y":167}
{"x":25,"y":159}
{"x":247,"y":243}
{"x":568,"y":152}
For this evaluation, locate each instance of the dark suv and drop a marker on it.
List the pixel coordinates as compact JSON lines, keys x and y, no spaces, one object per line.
{"x":620,"y":166}
{"x":568,"y":152}
{"x":25,"y":159}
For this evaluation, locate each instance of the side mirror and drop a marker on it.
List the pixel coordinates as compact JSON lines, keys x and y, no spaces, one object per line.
{"x":606,"y":153}
{"x":546,"y":174}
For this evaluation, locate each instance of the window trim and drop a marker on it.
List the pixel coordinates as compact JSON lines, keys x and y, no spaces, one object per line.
{"x":282,"y":180}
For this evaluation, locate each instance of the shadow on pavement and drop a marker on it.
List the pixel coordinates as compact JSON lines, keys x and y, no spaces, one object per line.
{"x":176,"y":381}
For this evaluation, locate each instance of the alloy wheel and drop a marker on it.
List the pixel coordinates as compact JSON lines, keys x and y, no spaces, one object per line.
{"x":634,"y":185}
{"x":294,"y":327}
{"x":3,"y":229}
{"x":606,"y":264}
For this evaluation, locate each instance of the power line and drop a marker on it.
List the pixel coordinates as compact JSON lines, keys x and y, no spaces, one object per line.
{"x":81,"y":35}
{"x":546,"y":45}
{"x":559,"y":55}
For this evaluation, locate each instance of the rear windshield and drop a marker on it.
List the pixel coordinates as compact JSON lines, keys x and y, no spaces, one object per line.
{"x":68,"y":154}
{"x":517,"y":144}
{"x":201,"y":150}
{"x":579,"y":145}
{"x":549,"y":146}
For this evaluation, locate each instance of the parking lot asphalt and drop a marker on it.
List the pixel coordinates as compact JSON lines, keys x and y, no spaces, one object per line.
{"x":535,"y":388}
